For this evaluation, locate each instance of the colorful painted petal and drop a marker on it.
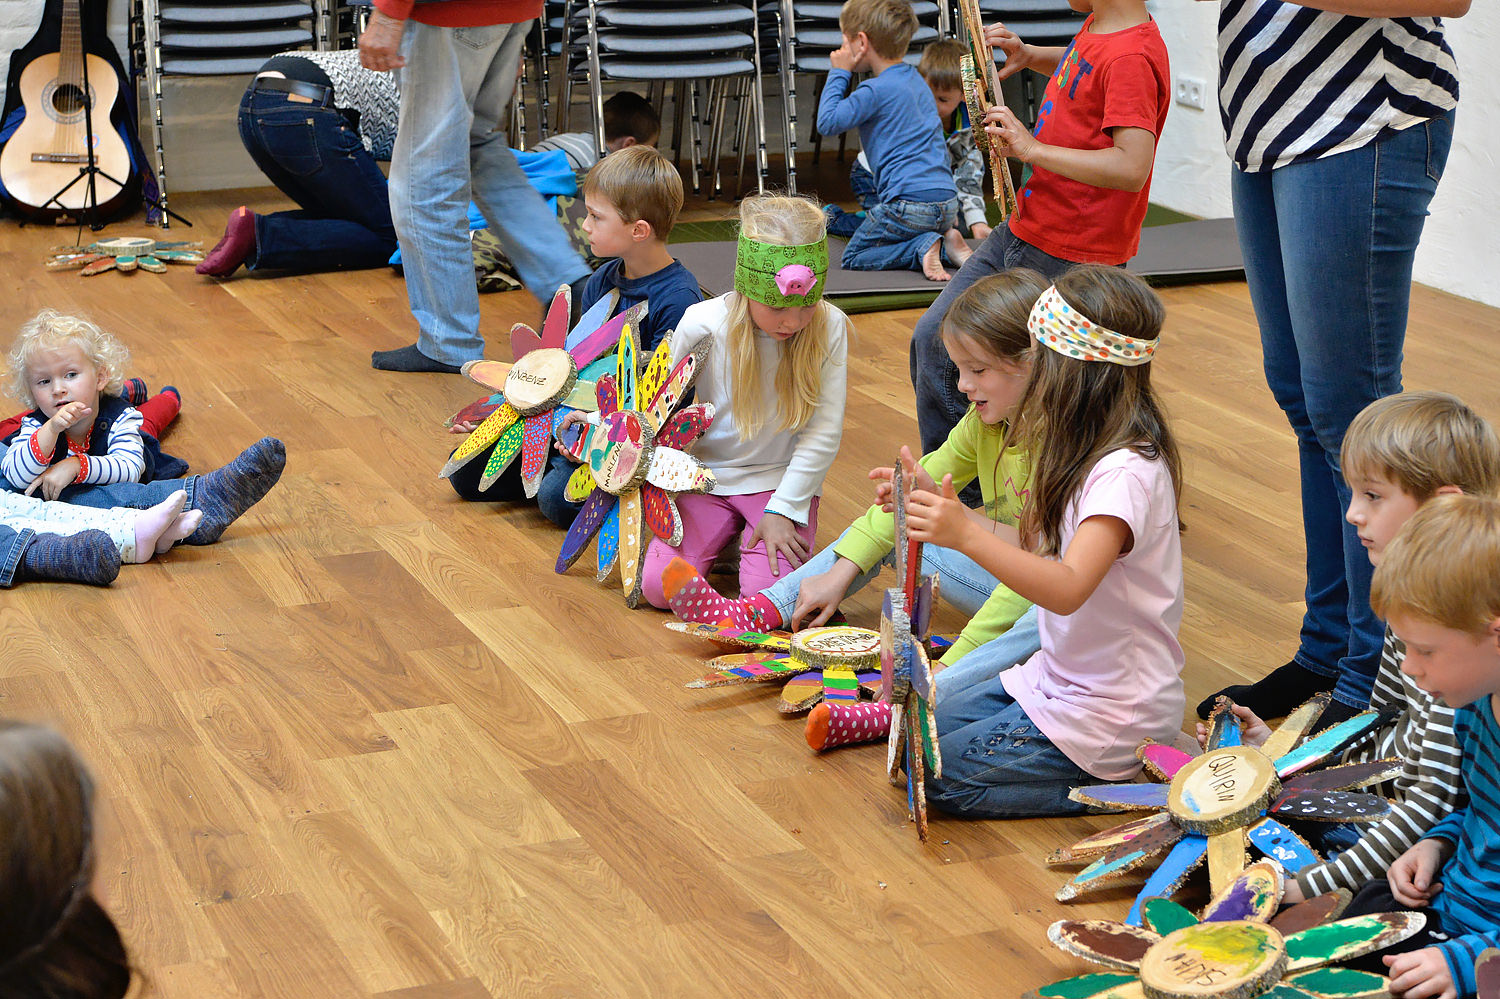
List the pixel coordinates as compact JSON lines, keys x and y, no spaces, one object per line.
{"x":923,"y":598}
{"x":661,"y":514}
{"x":608,"y":549}
{"x":555,"y":326}
{"x":1341,"y":983}
{"x":1104,"y":985}
{"x":1165,"y":916}
{"x":1350,"y":938}
{"x":1103,"y":941}
{"x":583,"y":528}
{"x":1282,"y":845}
{"x":1346,"y":777}
{"x":654,"y":374}
{"x":608,"y":395}
{"x":483,"y":436}
{"x":1124,"y":796}
{"x":477,"y":411}
{"x":772,"y":641}
{"x":1331,"y":806}
{"x":679,"y":472}
{"x":927,"y":723}
{"x":1281,"y":990}
{"x":750,"y":667}
{"x":1106,"y":840}
{"x":593,"y":318}
{"x":686,"y":425}
{"x":1124,"y":858}
{"x":1254,"y":895}
{"x":1295,"y":725}
{"x":1326,"y":743}
{"x":1223,"y":725}
{"x":585,"y":346}
{"x":536,"y":445}
{"x":506,"y":449}
{"x":1161,"y":760}
{"x":1487,"y":973}
{"x":671,"y":391}
{"x":1314,"y":912}
{"x":580,"y":484}
{"x":1227,"y":859}
{"x":802,"y":693}
{"x":632,"y":546}
{"x":1170,"y":873}
{"x":490,"y":374}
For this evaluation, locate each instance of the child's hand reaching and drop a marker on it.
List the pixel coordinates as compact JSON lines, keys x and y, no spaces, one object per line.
{"x":1003,"y":127}
{"x":1413,"y":877}
{"x":820,"y":595}
{"x":55,"y":479}
{"x":1420,"y":974}
{"x":781,"y":538}
{"x":1253,"y":731}
{"x":1017,"y":53}
{"x":937,"y":517}
{"x":885,"y":485}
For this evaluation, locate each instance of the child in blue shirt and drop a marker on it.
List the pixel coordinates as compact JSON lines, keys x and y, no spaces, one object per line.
{"x":916,"y":202}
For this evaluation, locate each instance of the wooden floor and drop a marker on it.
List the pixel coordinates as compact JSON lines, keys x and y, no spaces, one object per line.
{"x":370,"y":745}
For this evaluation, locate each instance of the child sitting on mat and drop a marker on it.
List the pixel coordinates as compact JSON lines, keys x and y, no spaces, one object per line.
{"x":910,"y":224}
{"x":81,"y":431}
{"x":775,"y":375}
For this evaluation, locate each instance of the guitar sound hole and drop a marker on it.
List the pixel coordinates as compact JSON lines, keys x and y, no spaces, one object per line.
{"x":68,"y":98}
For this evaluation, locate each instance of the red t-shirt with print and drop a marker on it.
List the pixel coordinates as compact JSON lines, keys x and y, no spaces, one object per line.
{"x":1104,"y":81}
{"x":461,"y":13}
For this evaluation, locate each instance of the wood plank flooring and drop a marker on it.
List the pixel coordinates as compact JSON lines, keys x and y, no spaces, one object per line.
{"x":370,"y":745}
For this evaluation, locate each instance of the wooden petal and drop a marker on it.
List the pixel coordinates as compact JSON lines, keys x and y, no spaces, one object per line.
{"x":477,"y":411}
{"x":801,"y":693}
{"x":504,"y":454}
{"x":536,"y":447}
{"x":1226,"y":861}
{"x":1106,"y":840}
{"x":661,"y":514}
{"x":1282,"y":845}
{"x":99,"y":266}
{"x":1124,"y":858}
{"x":583,"y":528}
{"x":1254,"y":895}
{"x":1331,"y":806}
{"x":605,"y":338}
{"x":1162,"y":915}
{"x":671,"y":391}
{"x":596,"y":316}
{"x":580,"y":484}
{"x":1295,"y":726}
{"x":1162,"y":761}
{"x":896,"y":744}
{"x":1104,"y":985}
{"x":686,"y":425}
{"x":1346,"y":777}
{"x":1171,"y":873}
{"x":655,"y":373}
{"x":927,"y":724}
{"x":178,"y":256}
{"x":1281,"y":990}
{"x":1314,"y":912}
{"x":723,"y":634}
{"x":679,"y":472}
{"x":125,"y":263}
{"x":1223,"y":726}
{"x":750,"y":667}
{"x":608,"y":547}
{"x":1123,"y":796}
{"x":1103,"y":941}
{"x":555,"y":326}
{"x":483,"y":436}
{"x":1341,"y":983}
{"x":1349,"y":938}
{"x":632,"y":546}
{"x":916,"y":773}
{"x":490,"y":374}
{"x":151,"y":264}
{"x":1487,"y":973}
{"x":1326,"y":743}
{"x":607,"y":393}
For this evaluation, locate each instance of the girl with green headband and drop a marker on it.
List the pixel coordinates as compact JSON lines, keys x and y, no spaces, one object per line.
{"x":775,"y":375}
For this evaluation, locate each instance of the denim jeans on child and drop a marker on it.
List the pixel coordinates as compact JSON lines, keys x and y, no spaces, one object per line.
{"x":862,"y":182}
{"x":940,"y":405}
{"x":1328,"y":247}
{"x":315,"y":156}
{"x":12,"y":546}
{"x":894,"y":235}
{"x":455,"y":91}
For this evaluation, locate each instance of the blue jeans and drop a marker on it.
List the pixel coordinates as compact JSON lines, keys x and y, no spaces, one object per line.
{"x":895,"y":234}
{"x":940,"y":405}
{"x":992,"y":658}
{"x":12,"y":546}
{"x":316,"y":158}
{"x":455,"y":89}
{"x":136,"y":495}
{"x":862,"y":182}
{"x":996,"y":763}
{"x":1328,"y":248}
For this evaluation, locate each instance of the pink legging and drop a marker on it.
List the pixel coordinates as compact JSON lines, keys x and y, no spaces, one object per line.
{"x":708,"y":522}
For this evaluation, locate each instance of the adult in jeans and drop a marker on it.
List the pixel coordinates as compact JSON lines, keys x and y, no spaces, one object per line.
{"x":1335,"y":162}
{"x":460,"y":59}
{"x":315,"y":123}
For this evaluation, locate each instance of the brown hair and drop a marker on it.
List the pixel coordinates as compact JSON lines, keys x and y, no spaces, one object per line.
{"x":941,"y":64}
{"x":993,"y":313}
{"x":628,"y":113}
{"x":640,"y":183}
{"x":888,"y":24}
{"x":55,"y":939}
{"x":1074,"y":412}
{"x":1443,"y":565}
{"x":1421,"y":441}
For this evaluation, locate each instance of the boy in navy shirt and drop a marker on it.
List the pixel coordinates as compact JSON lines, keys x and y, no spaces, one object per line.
{"x":912,"y":224}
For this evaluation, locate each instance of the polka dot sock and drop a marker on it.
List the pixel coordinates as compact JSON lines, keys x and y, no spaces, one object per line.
{"x":693,"y":599}
{"x":831,"y":725}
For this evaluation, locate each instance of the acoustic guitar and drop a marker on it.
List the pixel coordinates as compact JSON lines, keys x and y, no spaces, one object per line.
{"x":50,"y":149}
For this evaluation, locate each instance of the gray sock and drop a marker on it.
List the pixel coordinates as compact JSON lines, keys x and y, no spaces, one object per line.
{"x":409,"y":359}
{"x":85,"y":557}
{"x":226,"y":493}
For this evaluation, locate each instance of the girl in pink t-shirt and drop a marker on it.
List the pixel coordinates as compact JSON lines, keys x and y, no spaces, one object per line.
{"x":1097,"y":551}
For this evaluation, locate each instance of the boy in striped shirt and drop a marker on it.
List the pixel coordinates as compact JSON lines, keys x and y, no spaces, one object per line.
{"x":1438,"y":585}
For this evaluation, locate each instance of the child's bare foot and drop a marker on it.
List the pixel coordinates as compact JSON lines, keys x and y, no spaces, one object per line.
{"x":151,"y":524}
{"x":932,"y":263}
{"x":957,"y":247}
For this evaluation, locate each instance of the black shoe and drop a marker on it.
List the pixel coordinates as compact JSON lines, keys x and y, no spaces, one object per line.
{"x":1272,"y":696}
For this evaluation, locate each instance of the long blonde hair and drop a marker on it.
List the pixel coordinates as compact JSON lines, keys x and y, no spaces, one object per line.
{"x":784,"y":220}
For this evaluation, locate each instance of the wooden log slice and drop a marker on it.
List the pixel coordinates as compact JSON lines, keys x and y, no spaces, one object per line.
{"x":1236,"y":960}
{"x":619,"y":450}
{"x":539,"y":379}
{"x":856,"y":649}
{"x":1223,"y":789}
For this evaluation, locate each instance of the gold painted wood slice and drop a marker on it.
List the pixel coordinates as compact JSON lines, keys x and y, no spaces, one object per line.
{"x":1223,"y":789}
{"x":838,"y":647}
{"x":1236,"y":960}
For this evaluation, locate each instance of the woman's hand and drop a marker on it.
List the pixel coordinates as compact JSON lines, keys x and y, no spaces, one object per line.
{"x":821,"y":594}
{"x":1413,"y":877}
{"x":937,"y":517}
{"x":781,"y":538}
{"x":1012,"y":137}
{"x":55,"y":479}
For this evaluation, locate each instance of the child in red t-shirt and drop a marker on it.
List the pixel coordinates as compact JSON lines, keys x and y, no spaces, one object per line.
{"x":1095,"y":140}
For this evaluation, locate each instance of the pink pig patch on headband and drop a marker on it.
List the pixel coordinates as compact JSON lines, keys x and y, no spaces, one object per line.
{"x":796,"y":279}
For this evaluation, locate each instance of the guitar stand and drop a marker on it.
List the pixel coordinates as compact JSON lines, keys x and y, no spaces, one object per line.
{"x":88,"y":214}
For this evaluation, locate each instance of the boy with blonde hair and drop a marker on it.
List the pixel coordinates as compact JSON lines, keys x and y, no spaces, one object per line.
{"x":914,"y":202}
{"x":1438,"y":585}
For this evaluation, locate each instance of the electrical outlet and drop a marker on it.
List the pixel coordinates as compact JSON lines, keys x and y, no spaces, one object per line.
{"x":1191,"y":92}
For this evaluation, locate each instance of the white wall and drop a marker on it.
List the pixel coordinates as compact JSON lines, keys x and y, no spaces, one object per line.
{"x":19,"y":20}
{"x":1460,"y":250}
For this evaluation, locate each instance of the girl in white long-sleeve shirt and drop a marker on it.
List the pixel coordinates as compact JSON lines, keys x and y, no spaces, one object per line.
{"x":776,"y":375}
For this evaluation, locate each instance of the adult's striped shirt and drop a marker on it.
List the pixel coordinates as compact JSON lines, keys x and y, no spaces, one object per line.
{"x":1299,"y":84}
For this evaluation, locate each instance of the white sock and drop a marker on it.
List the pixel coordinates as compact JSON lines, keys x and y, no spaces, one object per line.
{"x":185,"y":524}
{"x":151,"y":524}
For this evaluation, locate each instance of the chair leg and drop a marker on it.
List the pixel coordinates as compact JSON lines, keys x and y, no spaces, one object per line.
{"x":596,"y":91}
{"x":543,"y":88}
{"x":151,"y":15}
{"x":697,"y":137}
{"x":788,"y":91}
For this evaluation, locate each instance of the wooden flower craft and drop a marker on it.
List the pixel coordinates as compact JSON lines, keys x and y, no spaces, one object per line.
{"x":1235,"y":951}
{"x":634,"y":464}
{"x":1229,"y":794}
{"x":522,"y":416}
{"x":124,"y":254}
{"x":819,"y":664}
